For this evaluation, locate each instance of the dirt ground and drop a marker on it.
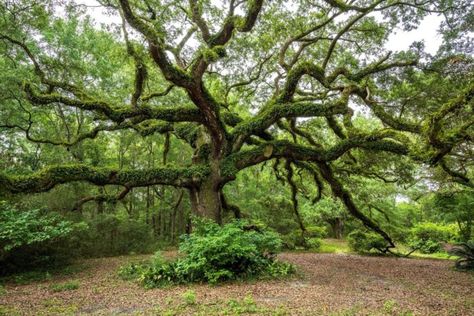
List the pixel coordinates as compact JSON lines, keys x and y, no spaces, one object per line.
{"x":327,"y":284}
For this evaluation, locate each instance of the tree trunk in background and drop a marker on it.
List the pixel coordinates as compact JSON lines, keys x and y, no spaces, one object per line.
{"x":100,"y":204}
{"x":337,"y":226}
{"x":148,"y":204}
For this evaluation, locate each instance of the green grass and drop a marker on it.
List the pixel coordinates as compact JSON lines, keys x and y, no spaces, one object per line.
{"x":341,"y":246}
{"x":189,"y":297}
{"x":8,"y":311}
{"x":436,"y":255}
{"x":3,"y":291}
{"x":334,"y":246}
{"x":403,"y":249}
{"x":55,"y":306}
{"x":67,"y":286}
{"x":244,"y":306}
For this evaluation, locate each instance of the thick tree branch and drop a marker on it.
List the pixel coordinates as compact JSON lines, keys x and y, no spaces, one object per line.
{"x":116,"y":114}
{"x":50,"y":177}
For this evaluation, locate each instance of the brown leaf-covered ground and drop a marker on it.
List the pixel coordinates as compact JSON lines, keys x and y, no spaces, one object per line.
{"x":328,"y":284}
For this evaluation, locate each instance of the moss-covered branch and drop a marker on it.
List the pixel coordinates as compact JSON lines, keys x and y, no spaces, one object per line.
{"x":339,"y":191}
{"x":275,"y":111}
{"x":156,"y":46}
{"x":116,"y":114}
{"x":242,"y":24}
{"x":286,"y":149}
{"x":48,"y":178}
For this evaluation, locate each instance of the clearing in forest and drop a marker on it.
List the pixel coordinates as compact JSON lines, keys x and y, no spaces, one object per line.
{"x":328,"y":284}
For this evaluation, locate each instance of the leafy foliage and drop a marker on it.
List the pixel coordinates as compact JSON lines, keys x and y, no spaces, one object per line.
{"x":24,"y":228}
{"x":117,"y":236}
{"x":453,"y":205}
{"x":28,"y":237}
{"x":212,"y":254}
{"x":365,"y":241}
{"x":427,"y":236}
{"x":465,"y":251}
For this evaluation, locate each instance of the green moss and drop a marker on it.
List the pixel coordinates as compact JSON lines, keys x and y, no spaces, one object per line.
{"x":274,"y":111}
{"x":303,"y":68}
{"x":211,"y":55}
{"x":48,"y":178}
{"x":187,"y":132}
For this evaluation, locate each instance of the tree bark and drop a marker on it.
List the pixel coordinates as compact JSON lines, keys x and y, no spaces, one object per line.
{"x":206,"y":201}
{"x":337,"y":226}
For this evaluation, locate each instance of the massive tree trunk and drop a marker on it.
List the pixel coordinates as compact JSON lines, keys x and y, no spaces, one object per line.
{"x":206,"y":200}
{"x":206,"y":197}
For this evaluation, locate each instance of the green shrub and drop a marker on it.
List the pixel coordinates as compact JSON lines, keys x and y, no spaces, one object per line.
{"x":131,"y":271}
{"x":292,"y":240}
{"x":32,"y":237}
{"x":214,"y":253}
{"x":316,"y":232}
{"x":427,"y":237}
{"x":313,"y":243}
{"x":296,"y":239}
{"x":189,"y":297}
{"x":365,"y":241}
{"x":465,"y":252}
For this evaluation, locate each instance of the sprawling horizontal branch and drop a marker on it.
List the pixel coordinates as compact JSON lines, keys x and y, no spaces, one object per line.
{"x":101,"y":198}
{"x":117,"y":114}
{"x":289,"y":150}
{"x":276,"y":111}
{"x":50,"y":177}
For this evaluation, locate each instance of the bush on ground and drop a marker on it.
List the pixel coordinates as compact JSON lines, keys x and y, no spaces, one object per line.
{"x":213,"y":253}
{"x":465,"y":252}
{"x":364,"y":241}
{"x":428,"y":237}
{"x":309,"y":240}
{"x":31,"y":238}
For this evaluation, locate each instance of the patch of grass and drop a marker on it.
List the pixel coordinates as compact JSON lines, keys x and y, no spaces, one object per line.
{"x":354,"y":310}
{"x":334,"y":246}
{"x":436,"y":255}
{"x":389,"y":305}
{"x":341,"y":246}
{"x":55,"y":306}
{"x":8,"y":311}
{"x":67,"y":286}
{"x":244,"y":306}
{"x":404,"y":249}
{"x":189,"y":297}
{"x":3,"y":291}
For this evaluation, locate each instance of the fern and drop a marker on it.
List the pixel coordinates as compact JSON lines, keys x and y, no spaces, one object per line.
{"x":465,"y":252}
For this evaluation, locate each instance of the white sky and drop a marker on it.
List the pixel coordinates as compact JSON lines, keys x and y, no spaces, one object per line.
{"x":398,"y":41}
{"x":426,"y":31}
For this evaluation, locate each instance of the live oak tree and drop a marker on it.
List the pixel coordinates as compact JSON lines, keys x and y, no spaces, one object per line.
{"x":241,"y":83}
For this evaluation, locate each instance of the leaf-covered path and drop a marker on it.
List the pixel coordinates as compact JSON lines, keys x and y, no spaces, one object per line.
{"x":329,"y":284}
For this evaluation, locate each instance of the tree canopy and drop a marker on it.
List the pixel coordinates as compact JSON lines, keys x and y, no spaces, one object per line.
{"x":304,"y":86}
